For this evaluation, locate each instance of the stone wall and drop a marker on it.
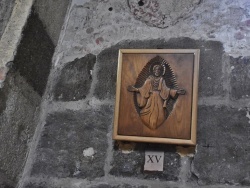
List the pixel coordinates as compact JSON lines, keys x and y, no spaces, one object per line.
{"x":20,"y":99}
{"x":6,"y":7}
{"x":52,"y":14}
{"x":19,"y":113}
{"x":73,"y":145}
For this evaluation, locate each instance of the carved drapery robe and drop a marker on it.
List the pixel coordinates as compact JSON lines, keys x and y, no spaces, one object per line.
{"x":152,"y":99}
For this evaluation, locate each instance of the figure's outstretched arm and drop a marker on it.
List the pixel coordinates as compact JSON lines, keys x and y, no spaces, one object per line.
{"x":181,"y":91}
{"x":132,"y":89}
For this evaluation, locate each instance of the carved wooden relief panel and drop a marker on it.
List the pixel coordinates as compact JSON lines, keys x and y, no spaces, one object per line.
{"x":156,"y":96}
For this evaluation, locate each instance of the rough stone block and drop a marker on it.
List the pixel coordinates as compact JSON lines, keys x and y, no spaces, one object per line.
{"x":75,"y":79}
{"x":240,"y":77}
{"x":132,"y":164}
{"x":222,"y":155}
{"x":37,"y":185}
{"x":130,"y":186}
{"x":106,"y":75}
{"x":34,"y":54}
{"x":3,"y":98}
{"x":52,"y":14}
{"x":101,"y":186}
{"x":19,"y":109}
{"x":66,"y":135}
{"x":6,"y":7}
{"x":210,"y":82}
{"x":5,"y":181}
{"x":118,"y":186}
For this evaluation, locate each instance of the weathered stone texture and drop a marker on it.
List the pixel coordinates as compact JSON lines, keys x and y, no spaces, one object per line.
{"x":65,"y":136}
{"x":18,"y":117}
{"x":106,"y":74}
{"x":5,"y":182}
{"x":34,"y":54}
{"x":240,"y":77}
{"x":118,"y":186}
{"x":132,"y":164}
{"x":38,"y":185}
{"x":73,"y":148}
{"x":6,"y":7}
{"x":161,"y":13}
{"x":210,"y":82}
{"x":75,"y":79}
{"x":222,"y":155}
{"x":130,"y":186}
{"x":101,"y":186}
{"x":52,"y":15}
{"x":79,"y":185}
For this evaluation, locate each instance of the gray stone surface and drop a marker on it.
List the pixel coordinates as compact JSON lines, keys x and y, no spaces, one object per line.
{"x":240,"y":78}
{"x":3,"y":98}
{"x":130,"y":186}
{"x":66,"y":135}
{"x":34,"y":54}
{"x":161,"y":13}
{"x":210,"y":82}
{"x":92,"y":26}
{"x":97,"y":185}
{"x":132,"y":164}
{"x":75,"y":79}
{"x":101,"y":186}
{"x":12,"y":34}
{"x":118,"y":186}
{"x":5,"y":182}
{"x":103,"y":27}
{"x":18,"y":118}
{"x":38,"y":185}
{"x":211,"y":68}
{"x":222,"y":155}
{"x":6,"y":7}
{"x":52,"y":14}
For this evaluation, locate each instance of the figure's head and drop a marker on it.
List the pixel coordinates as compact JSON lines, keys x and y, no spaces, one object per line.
{"x":157,"y":70}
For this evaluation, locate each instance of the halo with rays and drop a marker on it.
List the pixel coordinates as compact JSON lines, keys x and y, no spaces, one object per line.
{"x":168,"y":76}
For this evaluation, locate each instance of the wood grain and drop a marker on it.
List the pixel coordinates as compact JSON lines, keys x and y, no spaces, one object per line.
{"x":180,"y":126}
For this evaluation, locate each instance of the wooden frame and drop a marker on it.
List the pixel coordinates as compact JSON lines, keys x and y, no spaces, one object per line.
{"x":134,"y":60}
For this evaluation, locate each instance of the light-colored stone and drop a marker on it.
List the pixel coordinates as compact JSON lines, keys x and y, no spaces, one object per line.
{"x":13,"y":32}
{"x":161,"y":13}
{"x":88,"y":152}
{"x":210,"y":20}
{"x":52,"y":15}
{"x":6,"y":7}
{"x":248,"y":116}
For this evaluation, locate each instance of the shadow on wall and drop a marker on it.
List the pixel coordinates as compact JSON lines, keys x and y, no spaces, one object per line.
{"x":20,"y":98}
{"x":34,"y":54}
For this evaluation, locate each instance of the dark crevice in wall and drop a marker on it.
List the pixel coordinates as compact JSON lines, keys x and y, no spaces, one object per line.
{"x":3,"y":99}
{"x":34,"y":54}
{"x":193,"y":177}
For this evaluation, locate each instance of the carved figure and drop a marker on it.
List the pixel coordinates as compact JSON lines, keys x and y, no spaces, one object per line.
{"x":153,"y":96}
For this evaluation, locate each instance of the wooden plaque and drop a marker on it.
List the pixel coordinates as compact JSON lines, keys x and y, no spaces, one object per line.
{"x":156,"y":96}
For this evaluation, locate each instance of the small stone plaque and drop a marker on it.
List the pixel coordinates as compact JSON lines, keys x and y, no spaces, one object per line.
{"x":154,"y":161}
